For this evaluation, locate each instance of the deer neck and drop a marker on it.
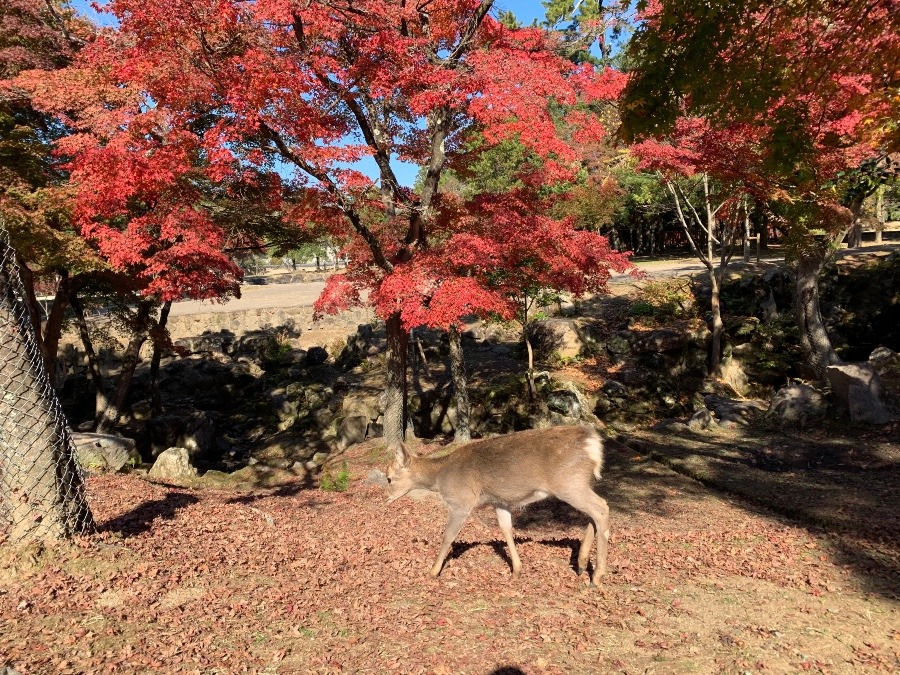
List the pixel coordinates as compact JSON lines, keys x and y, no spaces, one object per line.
{"x":426,"y":472}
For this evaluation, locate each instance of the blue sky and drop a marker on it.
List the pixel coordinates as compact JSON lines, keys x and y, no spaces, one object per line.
{"x":525,"y":10}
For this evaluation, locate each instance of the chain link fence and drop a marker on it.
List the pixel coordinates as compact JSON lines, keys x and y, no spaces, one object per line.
{"x":42,"y":493}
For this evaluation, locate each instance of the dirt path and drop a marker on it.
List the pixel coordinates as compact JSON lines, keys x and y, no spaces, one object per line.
{"x":303,"y":294}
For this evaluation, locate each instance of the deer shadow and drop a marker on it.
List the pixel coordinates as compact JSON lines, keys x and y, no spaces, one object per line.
{"x":500,"y":548}
{"x":140,"y":519}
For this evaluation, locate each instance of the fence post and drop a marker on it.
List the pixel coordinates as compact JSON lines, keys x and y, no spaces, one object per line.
{"x":42,"y":492}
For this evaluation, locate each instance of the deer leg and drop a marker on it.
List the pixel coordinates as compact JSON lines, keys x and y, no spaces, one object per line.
{"x":597,"y":509}
{"x":454,"y":525}
{"x":504,"y":519}
{"x":584,"y":552}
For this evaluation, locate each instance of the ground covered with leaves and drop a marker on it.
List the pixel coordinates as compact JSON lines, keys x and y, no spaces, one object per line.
{"x":296,"y":579}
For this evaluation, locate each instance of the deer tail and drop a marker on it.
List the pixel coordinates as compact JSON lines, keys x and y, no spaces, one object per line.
{"x":593,"y":446}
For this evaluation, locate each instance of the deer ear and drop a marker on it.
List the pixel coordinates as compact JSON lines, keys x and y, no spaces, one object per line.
{"x":401,"y":456}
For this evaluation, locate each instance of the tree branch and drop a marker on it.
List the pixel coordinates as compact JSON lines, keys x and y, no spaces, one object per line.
{"x":684,"y":225}
{"x":349,"y":211}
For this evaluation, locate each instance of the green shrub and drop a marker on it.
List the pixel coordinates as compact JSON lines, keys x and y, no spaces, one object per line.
{"x":668,"y":299}
{"x":338,"y":482}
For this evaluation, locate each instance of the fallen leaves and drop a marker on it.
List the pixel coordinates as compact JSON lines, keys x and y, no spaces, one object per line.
{"x":302,"y":583}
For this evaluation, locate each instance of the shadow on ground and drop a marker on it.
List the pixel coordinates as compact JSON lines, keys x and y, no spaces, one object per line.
{"x":140,"y":518}
{"x":840,"y":484}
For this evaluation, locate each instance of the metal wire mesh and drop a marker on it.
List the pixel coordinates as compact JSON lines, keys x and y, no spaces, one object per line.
{"x":42,"y":493}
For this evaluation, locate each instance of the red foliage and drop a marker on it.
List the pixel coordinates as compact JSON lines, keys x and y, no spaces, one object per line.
{"x":212,"y":89}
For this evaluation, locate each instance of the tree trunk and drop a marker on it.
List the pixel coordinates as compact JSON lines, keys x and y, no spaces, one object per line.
{"x":880,"y":215}
{"x":157,"y":357}
{"x":53,"y":331}
{"x":747,"y":237}
{"x":529,"y":375}
{"x":462,"y":428}
{"x":813,"y":337}
{"x":41,"y":488}
{"x":395,"y":414}
{"x":529,"y":349}
{"x":715,"y":356}
{"x":101,"y":400}
{"x":113,"y":411}
{"x":854,"y":236}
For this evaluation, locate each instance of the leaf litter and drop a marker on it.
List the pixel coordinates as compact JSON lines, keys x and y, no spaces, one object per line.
{"x":299,"y":580}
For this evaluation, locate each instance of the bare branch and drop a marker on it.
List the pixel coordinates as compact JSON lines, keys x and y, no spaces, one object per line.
{"x":687,"y":230}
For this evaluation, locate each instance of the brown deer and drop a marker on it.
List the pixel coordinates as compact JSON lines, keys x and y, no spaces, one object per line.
{"x":511,"y":471}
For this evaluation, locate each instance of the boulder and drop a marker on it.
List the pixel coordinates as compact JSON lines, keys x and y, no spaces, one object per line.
{"x":731,"y":412}
{"x":858,"y":389}
{"x":363,"y":404}
{"x":797,"y":403}
{"x":615,"y":389}
{"x":865,"y":407}
{"x":193,"y":430}
{"x":701,"y":420}
{"x":281,"y":445}
{"x":731,"y":372}
{"x":555,"y":337}
{"x":564,"y":402}
{"x":841,"y":378}
{"x":882,"y":359}
{"x":103,"y":452}
{"x":619,"y":345}
{"x":173,"y":464}
{"x":352,"y":430}
{"x":661,"y":340}
{"x":316,"y":356}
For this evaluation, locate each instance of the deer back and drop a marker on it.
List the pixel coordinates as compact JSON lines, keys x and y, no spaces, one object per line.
{"x":518,"y":468}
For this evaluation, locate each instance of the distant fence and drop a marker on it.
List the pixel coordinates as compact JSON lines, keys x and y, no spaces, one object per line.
{"x":42,"y":493}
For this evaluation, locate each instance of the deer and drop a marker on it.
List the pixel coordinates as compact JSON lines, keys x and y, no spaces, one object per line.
{"x":508,"y":472}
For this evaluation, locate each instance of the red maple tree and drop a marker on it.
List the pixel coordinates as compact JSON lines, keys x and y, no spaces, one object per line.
{"x":814,"y":81}
{"x":306,"y":91}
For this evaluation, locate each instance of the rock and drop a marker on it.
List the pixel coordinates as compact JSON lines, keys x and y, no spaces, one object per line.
{"x":359,"y":345}
{"x":731,"y":372}
{"x":619,"y":345}
{"x":261,"y":475}
{"x":797,"y":403}
{"x":841,"y":377}
{"x":103,"y":452}
{"x":670,"y":425}
{"x":701,"y":420}
{"x":858,"y":389}
{"x":319,"y":459}
{"x":281,"y":445}
{"x":316,"y":356}
{"x":377,"y":477}
{"x":193,"y":430}
{"x":216,"y":480}
{"x":637,"y":377}
{"x":359,"y":403}
{"x":883,"y":359}
{"x":555,"y":337}
{"x":662,"y":340}
{"x":865,"y":407}
{"x":769,"y":308}
{"x":352,"y":430}
{"x":173,"y":464}
{"x":615,"y":389}
{"x":564,"y":402}
{"x":730,"y":412}
{"x":375,"y":430}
